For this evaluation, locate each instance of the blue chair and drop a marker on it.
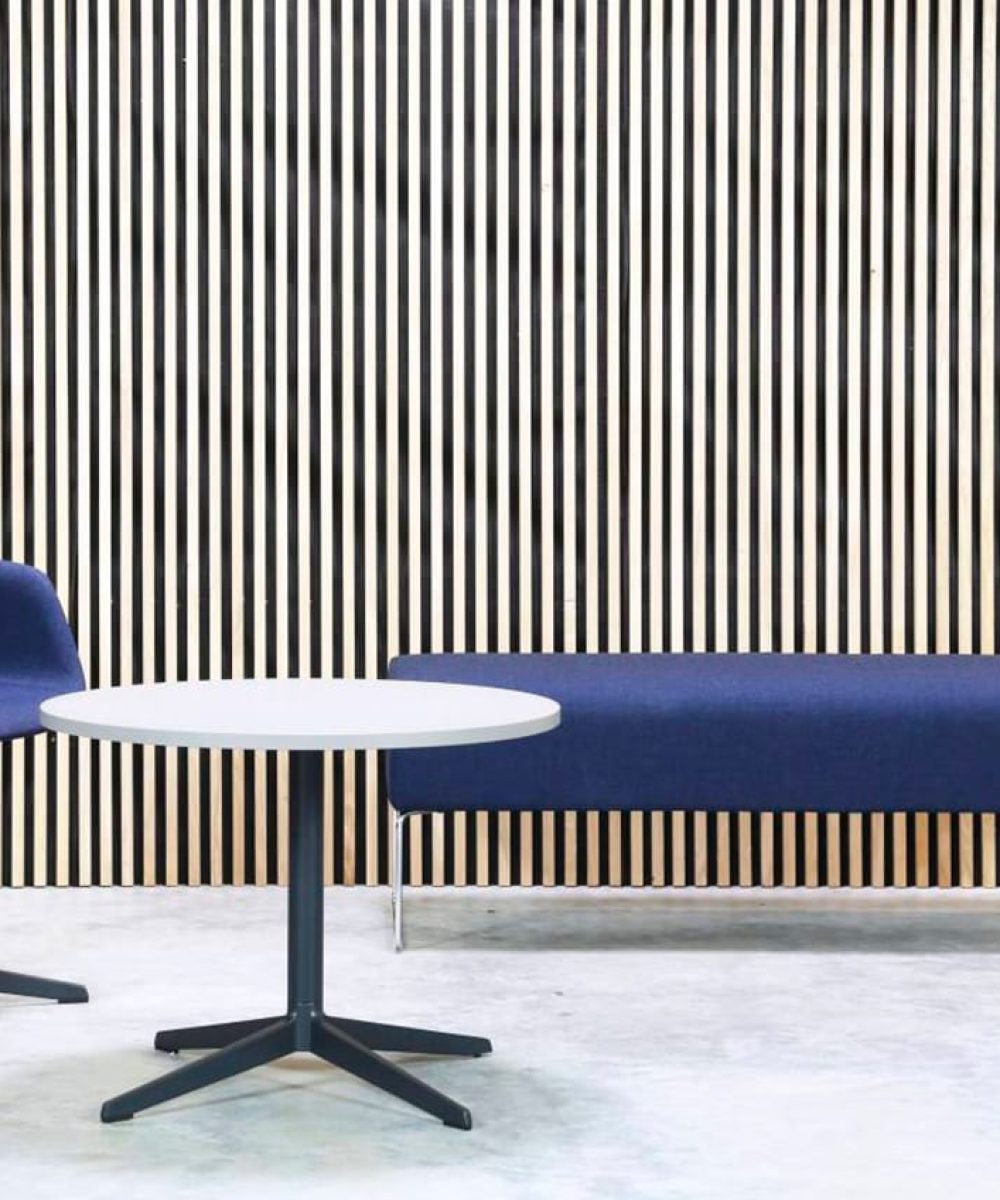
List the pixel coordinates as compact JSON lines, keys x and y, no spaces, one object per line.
{"x":38,"y":659}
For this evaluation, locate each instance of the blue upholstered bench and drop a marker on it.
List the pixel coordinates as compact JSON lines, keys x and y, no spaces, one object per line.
{"x":717,"y":732}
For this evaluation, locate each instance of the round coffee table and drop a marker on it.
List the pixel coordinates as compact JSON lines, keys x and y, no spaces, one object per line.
{"x":305,"y":717}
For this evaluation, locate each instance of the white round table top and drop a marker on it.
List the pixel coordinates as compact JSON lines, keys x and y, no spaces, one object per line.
{"x":301,"y":714}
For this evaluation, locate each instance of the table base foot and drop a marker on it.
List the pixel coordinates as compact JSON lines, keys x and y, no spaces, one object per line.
{"x":376,"y":1036}
{"x":264,"y":1046}
{"x":331,"y":1042}
{"x":242,"y":1045}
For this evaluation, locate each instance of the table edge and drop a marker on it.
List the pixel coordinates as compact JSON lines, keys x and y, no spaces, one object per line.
{"x":302,"y":742}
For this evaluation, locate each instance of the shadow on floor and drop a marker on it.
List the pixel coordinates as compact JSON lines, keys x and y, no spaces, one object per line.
{"x":292,"y":1121}
{"x":650,"y":921}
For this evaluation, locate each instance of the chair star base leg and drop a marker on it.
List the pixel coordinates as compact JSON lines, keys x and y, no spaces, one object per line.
{"x":12,"y":984}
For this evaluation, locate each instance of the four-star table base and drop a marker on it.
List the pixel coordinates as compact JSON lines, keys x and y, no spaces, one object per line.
{"x":352,"y":1045}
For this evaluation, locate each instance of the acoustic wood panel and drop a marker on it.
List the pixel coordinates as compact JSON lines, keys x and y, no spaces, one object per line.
{"x":334,"y":329}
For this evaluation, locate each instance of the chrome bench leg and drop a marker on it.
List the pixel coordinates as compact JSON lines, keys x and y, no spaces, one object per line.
{"x":398,"y":823}
{"x":399,"y":820}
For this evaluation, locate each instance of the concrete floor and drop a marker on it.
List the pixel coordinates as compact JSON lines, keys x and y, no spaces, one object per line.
{"x":647,"y":1044}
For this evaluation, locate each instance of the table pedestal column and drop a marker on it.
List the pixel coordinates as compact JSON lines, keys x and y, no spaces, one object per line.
{"x":342,"y":1042}
{"x":305,"y":889}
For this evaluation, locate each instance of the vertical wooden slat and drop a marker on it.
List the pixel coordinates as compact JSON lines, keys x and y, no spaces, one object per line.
{"x":721,"y":482}
{"x":722,"y":842}
{"x":989,"y":833}
{"x":880,"y":573}
{"x":829,"y":419}
{"x":658,"y":850}
{"x":855,"y":867}
{"x":171,"y":388}
{"x":87,"y":407}
{"x":966,"y":851}
{"x":548,"y":849}
{"x":678,"y":866}
{"x":372,"y":286}
{"x":897,"y":282}
{"x":811,"y":834}
{"x":764,"y":336}
{"x":987,"y":348}
{"x":235,"y":450}
{"x":921,"y":532}
{"x":674,"y":221}
{"x":744,"y":833}
{"x":767,"y":849}
{"x":899,"y":852}
{"x":921,"y":852}
{"x":127,"y":284}
{"x":834,"y":865}
{"x":18,"y":101}
{"x":877,"y":850}
{"x":700,"y":865}
{"x":854,"y":53}
{"x":571,"y":198}
{"x":944,"y":400}
{"x":262,"y":830}
{"x":105,"y":640}
{"x":744,"y":463}
{"x":942,"y":874}
{"x":37,"y":429}
{"x":615,"y":849}
{"x":60,"y":433}
{"x":810,"y":369}
{"x":147,"y":488}
{"x":790,"y":825}
{"x":697,"y":184}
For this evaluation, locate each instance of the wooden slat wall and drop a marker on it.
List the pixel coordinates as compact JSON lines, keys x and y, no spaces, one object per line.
{"x":329,"y":330}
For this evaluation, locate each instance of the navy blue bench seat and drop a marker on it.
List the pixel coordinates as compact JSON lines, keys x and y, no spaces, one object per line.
{"x":721,"y":732}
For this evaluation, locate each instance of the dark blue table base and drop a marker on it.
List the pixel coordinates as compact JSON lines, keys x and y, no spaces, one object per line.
{"x":12,"y":984}
{"x":241,"y":1045}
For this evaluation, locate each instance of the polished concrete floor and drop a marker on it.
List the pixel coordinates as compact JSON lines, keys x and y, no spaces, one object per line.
{"x":647,"y":1044}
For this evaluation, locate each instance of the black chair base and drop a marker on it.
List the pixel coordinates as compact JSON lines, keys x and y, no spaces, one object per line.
{"x":351,"y":1045}
{"x":12,"y":984}
{"x":242,"y":1045}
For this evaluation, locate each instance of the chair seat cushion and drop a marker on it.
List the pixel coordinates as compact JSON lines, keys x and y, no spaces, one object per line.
{"x":766,"y":732}
{"x":19,"y":705}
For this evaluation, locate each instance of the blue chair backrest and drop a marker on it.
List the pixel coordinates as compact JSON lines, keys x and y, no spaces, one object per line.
{"x":36,"y":642}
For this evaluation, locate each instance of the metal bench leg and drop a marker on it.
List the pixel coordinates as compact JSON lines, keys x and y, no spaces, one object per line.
{"x":398,"y":826}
